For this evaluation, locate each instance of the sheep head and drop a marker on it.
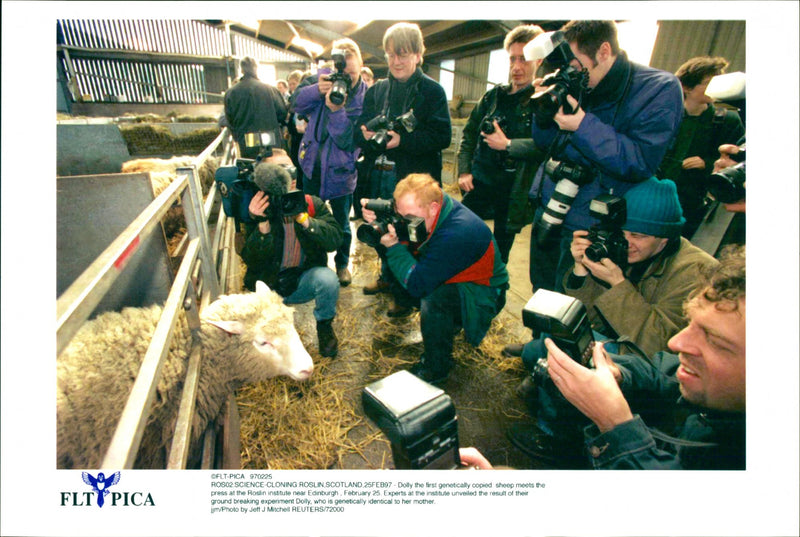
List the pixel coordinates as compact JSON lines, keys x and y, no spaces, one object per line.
{"x":258,"y":334}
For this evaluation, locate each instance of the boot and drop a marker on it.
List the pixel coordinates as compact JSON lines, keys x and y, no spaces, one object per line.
{"x":328,"y":344}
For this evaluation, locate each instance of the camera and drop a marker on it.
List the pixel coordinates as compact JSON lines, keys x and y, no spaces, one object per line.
{"x":487,"y":125}
{"x":237,"y":187}
{"x":727,"y":186}
{"x":260,"y":143}
{"x":566,"y":80}
{"x":607,"y":237}
{"x":408,"y":228}
{"x":381,"y":125}
{"x":568,"y":177}
{"x":340,"y":79}
{"x":565,"y":320}
{"x":419,"y":420}
{"x":293,"y":203}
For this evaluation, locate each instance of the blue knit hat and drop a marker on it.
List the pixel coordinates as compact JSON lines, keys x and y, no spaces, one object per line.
{"x":654,"y":209}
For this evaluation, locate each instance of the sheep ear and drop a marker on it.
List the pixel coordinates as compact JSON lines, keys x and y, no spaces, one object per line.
{"x":261,"y":287}
{"x":231,"y":327}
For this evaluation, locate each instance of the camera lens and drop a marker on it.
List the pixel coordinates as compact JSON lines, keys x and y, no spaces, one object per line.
{"x":379,"y":140}
{"x":596,"y":251}
{"x":370,"y":234}
{"x":487,"y":127}
{"x":338,"y":92}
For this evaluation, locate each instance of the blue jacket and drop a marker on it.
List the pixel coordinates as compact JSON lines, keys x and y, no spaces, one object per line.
{"x":477,"y":269}
{"x":632,"y":115}
{"x":631,"y":445}
{"x":329,"y":136}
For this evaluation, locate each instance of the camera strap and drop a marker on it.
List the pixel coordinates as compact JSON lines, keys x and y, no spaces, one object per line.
{"x":664,"y":437}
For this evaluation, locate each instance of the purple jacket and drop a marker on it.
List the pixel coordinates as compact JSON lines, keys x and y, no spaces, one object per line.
{"x":329,"y":136}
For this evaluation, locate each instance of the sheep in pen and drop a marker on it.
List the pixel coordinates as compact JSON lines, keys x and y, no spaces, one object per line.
{"x":245,"y":338}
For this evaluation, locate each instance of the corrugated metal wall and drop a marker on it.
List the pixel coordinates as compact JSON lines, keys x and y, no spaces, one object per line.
{"x":143,"y":81}
{"x":679,"y":41}
{"x":471,"y":87}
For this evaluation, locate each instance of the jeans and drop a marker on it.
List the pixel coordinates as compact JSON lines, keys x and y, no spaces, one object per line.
{"x":550,"y":263}
{"x":340,"y":207}
{"x":319,"y":284}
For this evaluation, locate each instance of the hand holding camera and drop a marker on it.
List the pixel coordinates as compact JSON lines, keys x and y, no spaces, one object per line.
{"x":494,"y":137}
{"x":569,"y":120}
{"x":595,"y":392}
{"x":258,"y":211}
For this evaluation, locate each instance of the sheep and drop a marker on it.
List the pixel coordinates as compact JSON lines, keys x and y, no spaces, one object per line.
{"x":163,"y":171}
{"x":245,"y":338}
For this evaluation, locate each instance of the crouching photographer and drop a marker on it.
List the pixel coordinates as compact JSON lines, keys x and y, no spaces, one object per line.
{"x":632,"y":271}
{"x":456,"y":272}
{"x":287,"y":249}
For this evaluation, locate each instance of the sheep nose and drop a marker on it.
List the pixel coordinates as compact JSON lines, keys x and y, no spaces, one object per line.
{"x":305,"y":373}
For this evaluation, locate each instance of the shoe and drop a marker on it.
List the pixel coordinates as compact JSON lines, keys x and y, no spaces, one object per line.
{"x":514,"y":349}
{"x":527,"y":389}
{"x":538,"y":445}
{"x":430,"y":376}
{"x":380,"y":286}
{"x":328,"y":344}
{"x":344,"y":276}
{"x":397,"y":311}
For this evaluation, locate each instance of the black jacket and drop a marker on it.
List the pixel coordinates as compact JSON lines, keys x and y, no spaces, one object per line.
{"x":419,"y":151}
{"x":262,"y":252}
{"x":252,"y":106}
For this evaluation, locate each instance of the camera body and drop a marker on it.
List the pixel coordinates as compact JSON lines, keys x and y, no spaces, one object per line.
{"x":381,"y":125}
{"x":607,"y":237}
{"x":419,"y":420}
{"x":487,"y":125}
{"x":409,"y":229}
{"x":563,"y":82}
{"x":569,"y":178}
{"x":566,"y":322}
{"x":340,"y":79}
{"x":293,"y":203}
{"x":554,"y":49}
{"x":727,"y":185}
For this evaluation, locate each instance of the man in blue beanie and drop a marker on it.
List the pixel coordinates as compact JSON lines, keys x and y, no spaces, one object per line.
{"x":643,"y":303}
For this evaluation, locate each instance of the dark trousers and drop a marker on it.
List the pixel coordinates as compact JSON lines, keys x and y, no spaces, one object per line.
{"x":440,"y":317}
{"x":551,"y":261}
{"x":483,"y":198}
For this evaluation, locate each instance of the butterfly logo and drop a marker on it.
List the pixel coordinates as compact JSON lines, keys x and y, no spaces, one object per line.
{"x":100,"y":484}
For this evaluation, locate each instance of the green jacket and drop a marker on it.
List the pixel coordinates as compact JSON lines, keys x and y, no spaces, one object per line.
{"x":481,"y":161}
{"x":650,"y":312}
{"x":262,"y":252}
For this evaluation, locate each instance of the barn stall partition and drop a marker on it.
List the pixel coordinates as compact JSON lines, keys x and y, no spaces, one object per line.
{"x":208,"y":268}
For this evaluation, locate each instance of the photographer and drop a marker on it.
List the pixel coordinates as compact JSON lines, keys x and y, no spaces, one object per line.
{"x":327,"y":152}
{"x":497,"y":159}
{"x":643,"y":301}
{"x":252,"y":106}
{"x":704,"y":127}
{"x":702,"y":388}
{"x":707,"y":373}
{"x":456,"y":273}
{"x":414,"y":143}
{"x":288,"y":248}
{"x":628,"y":115}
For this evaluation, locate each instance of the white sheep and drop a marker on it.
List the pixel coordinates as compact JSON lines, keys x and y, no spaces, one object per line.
{"x":245,"y":338}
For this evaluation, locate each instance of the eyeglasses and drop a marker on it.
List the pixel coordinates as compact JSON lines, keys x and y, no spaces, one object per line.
{"x":403,"y":56}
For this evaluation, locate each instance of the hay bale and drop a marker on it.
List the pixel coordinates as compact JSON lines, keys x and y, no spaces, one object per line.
{"x":147,"y":139}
